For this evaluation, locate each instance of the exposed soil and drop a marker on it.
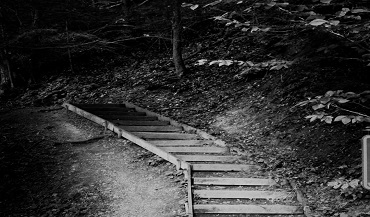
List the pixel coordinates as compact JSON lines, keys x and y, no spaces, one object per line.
{"x":44,"y":174}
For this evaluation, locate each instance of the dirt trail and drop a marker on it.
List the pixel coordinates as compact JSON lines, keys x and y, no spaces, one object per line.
{"x":108,"y":177}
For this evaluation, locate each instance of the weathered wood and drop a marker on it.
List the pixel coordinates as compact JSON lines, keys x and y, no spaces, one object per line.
{"x":140,"y":123}
{"x":108,"y":105}
{"x":187,"y":128}
{"x":108,"y":109}
{"x":233,"y":181}
{"x":181,"y":142}
{"x":247,"y":209}
{"x":207,"y":158}
{"x":118,"y":113}
{"x":150,"y":135}
{"x":144,"y":144}
{"x":167,"y":128}
{"x":128,"y":118}
{"x":224,"y":167}
{"x":190,"y":192}
{"x":210,"y":150}
{"x":268,"y":195}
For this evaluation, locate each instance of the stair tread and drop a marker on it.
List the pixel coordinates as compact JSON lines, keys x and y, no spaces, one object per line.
{"x":247,"y":194}
{"x":181,"y":142}
{"x":167,"y":128}
{"x":224,"y":167}
{"x":162,"y":135}
{"x":208,"y":158}
{"x":140,"y":123}
{"x":195,"y":149}
{"x":233,"y":181}
{"x":248,"y":209}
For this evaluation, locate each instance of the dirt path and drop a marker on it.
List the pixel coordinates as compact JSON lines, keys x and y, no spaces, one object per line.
{"x":45,"y":176}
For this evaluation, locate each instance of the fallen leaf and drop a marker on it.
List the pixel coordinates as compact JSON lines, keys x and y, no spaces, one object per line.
{"x":318,"y":106}
{"x":334,"y":22}
{"x":354,"y":183}
{"x":201,"y":62}
{"x":317,"y":22}
{"x":339,"y":118}
{"x":329,"y":93}
{"x":328,"y":119}
{"x":341,"y":100}
{"x":359,"y":10}
{"x":346,"y":120}
{"x":193,"y":7}
{"x":213,"y":3}
{"x":335,"y":184}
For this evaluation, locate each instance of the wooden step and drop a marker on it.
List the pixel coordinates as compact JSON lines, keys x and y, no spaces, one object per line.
{"x":210,"y":150}
{"x":207,"y":158}
{"x":247,"y":209}
{"x":140,"y":123}
{"x":100,"y":105}
{"x":267,"y":195}
{"x":128,"y":118}
{"x":119,"y":113}
{"x":108,"y":109}
{"x":167,"y":128}
{"x":224,"y":167}
{"x":233,"y":181}
{"x":181,"y":142}
{"x":162,"y":136}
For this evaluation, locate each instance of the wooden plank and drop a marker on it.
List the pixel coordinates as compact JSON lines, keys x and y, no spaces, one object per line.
{"x":122,"y":133}
{"x":128,"y":118}
{"x":107,"y":105}
{"x":111,"y":109}
{"x":167,"y":128}
{"x":224,"y":167}
{"x":207,"y":158}
{"x":247,"y":209}
{"x":177,"y":136}
{"x":119,"y":113}
{"x":190,"y":192}
{"x":233,"y":181}
{"x":187,"y":128}
{"x":181,"y":142}
{"x":268,"y":195}
{"x":211,"y":150}
{"x":140,"y":123}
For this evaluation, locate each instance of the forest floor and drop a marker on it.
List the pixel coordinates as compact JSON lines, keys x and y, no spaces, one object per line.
{"x":49,"y":167}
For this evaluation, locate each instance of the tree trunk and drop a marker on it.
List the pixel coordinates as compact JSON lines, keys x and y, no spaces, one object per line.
{"x":176,"y":39}
{"x":69,"y":50}
{"x":7,"y":64}
{"x":5,"y":72}
{"x":3,"y":76}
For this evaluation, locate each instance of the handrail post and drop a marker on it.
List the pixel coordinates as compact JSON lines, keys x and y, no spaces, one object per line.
{"x":190,"y":192}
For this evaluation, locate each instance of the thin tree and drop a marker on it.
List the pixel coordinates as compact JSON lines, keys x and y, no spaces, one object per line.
{"x":176,"y":39}
{"x":5,"y":72}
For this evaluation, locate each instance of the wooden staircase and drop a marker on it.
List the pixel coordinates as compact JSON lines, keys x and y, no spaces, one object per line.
{"x":219,"y":183}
